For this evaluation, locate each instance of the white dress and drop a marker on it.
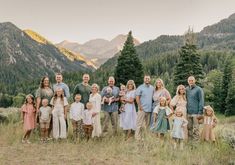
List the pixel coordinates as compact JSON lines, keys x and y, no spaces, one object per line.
{"x":96,"y":106}
{"x":129,"y":116}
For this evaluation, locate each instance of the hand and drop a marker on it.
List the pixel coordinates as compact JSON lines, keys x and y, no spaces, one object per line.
{"x":93,"y":114}
{"x":140,"y":108}
{"x":199,"y":117}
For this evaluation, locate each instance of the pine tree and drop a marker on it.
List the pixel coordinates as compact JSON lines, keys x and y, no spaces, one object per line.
{"x":129,"y":66}
{"x":227,"y":76}
{"x":230,"y":100}
{"x":189,"y":61}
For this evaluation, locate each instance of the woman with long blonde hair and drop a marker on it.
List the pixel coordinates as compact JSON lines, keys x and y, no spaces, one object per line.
{"x":179,"y":101}
{"x":129,"y":116}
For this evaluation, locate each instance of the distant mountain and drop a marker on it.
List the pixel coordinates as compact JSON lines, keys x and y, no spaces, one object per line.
{"x":69,"y":54}
{"x":24,"y":58}
{"x":216,"y":37}
{"x":98,"y":50}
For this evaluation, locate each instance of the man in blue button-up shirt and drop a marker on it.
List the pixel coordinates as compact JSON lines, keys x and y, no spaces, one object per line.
{"x":195,"y":104}
{"x":111,"y":111}
{"x":144,"y":99}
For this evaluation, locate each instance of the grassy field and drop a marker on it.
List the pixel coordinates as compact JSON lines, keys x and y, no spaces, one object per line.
{"x":114,"y":150}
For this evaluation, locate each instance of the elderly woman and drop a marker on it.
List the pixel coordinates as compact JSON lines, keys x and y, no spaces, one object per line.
{"x":160,"y":91}
{"x":128,"y":117}
{"x":179,"y":101}
{"x":95,"y":99}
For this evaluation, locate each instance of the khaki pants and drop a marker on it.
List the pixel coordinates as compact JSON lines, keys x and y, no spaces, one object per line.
{"x":193,"y":127}
{"x":113,"y":116}
{"x":143,"y":121}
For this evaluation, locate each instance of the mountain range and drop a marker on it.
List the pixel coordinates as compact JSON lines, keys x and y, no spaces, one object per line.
{"x":25,"y":55}
{"x":219,"y":37}
{"x":97,"y":50}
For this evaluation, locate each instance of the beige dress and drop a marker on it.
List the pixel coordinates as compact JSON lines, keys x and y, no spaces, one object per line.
{"x":208,"y":128}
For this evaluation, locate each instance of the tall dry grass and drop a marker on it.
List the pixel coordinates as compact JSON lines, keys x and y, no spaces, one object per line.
{"x":112,"y":150}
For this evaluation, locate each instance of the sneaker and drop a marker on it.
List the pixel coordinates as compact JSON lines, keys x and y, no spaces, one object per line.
{"x":23,"y":141}
{"x":28,"y":142}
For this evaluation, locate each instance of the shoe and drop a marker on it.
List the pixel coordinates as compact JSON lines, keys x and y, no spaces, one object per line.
{"x":28,"y":142}
{"x":23,"y":141}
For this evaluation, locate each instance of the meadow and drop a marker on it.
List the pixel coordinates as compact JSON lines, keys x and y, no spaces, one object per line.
{"x":113,"y":150}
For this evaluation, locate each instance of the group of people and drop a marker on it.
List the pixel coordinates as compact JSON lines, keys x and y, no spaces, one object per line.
{"x":144,"y":108}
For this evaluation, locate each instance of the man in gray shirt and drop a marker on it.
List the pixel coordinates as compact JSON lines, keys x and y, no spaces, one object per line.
{"x":195,"y":104}
{"x":144,"y":99}
{"x":110,"y":111}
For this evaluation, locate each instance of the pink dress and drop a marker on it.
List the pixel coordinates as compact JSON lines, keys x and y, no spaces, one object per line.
{"x":29,"y":114}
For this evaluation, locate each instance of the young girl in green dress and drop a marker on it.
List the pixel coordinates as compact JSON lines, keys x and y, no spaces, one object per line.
{"x":161,"y":113}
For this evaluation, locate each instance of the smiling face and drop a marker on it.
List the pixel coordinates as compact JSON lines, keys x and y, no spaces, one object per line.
{"x":29,"y":100}
{"x":147,"y":80}
{"x":46,"y":82}
{"x":181,"y":90}
{"x":44,"y":102}
{"x":59,"y":92}
{"x":111,"y":81}
{"x":162,"y":101}
{"x":78,"y":98}
{"x":94,"y":89}
{"x":86,"y":78}
{"x":59,"y":78}
{"x":209,"y":112}
{"x":159,"y":84}
{"x":178,"y":113}
{"x":89,"y":105}
{"x":191,"y":81}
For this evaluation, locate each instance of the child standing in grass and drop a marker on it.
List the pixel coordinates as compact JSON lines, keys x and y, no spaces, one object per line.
{"x":59,"y":112}
{"x":179,"y":123}
{"x":44,"y":119}
{"x":28,"y":113}
{"x":76,"y":115}
{"x":88,"y":120}
{"x":209,"y":123}
{"x":161,"y":114}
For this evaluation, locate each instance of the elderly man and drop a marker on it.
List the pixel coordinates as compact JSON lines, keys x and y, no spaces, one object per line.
{"x":195,"y":103}
{"x":110,"y":110}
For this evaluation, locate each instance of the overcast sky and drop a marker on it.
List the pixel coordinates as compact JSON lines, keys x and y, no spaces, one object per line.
{"x":82,"y":20}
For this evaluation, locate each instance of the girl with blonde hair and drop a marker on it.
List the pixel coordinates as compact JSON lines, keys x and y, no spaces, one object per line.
{"x":209,"y":123}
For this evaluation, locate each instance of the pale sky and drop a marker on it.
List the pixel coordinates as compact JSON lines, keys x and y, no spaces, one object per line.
{"x":82,"y":20}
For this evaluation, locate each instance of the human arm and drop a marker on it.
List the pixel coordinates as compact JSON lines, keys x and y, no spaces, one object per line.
{"x":66,"y":91}
{"x":201,"y":101}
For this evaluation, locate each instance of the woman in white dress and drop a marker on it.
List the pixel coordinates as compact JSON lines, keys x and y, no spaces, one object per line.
{"x":128,"y":117}
{"x":179,"y":101}
{"x":95,"y":99}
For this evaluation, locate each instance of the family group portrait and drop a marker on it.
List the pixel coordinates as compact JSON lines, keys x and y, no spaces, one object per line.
{"x":117,"y":82}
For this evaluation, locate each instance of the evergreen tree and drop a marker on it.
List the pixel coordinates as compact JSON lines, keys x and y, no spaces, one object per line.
{"x":230,"y":100}
{"x":189,"y":61}
{"x":129,"y":66}
{"x":227,"y":76}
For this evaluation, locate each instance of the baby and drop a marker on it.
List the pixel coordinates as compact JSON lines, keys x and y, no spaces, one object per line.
{"x":122,"y":94}
{"x":108,"y":96}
